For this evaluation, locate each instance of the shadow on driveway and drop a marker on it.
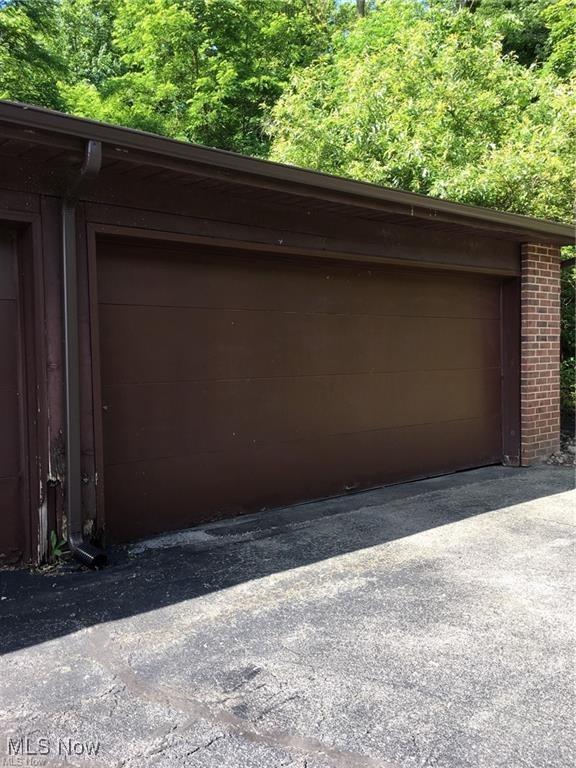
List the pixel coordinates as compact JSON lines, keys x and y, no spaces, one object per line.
{"x":37,"y":607}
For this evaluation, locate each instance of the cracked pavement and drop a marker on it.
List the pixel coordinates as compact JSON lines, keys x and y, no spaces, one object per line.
{"x":428,"y":625}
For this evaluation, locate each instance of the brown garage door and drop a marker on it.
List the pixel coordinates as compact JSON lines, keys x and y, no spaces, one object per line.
{"x":232,"y":382}
{"x":11,"y":511}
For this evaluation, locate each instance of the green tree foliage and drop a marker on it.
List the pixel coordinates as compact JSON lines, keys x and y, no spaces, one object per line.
{"x":28,"y":66}
{"x":521,"y":24}
{"x":83,"y":35}
{"x":536,"y":31}
{"x":424,"y":98}
{"x":560,"y":18}
{"x":203,"y":70}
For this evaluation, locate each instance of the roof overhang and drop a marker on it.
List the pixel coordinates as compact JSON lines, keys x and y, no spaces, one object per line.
{"x":44,"y":126}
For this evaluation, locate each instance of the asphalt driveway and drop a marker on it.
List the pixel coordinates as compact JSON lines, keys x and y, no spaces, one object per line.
{"x":426,"y":625}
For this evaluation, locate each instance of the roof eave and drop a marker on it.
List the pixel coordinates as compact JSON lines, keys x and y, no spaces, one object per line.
{"x":256,"y":172}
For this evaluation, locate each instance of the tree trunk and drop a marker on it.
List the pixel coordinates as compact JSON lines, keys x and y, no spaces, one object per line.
{"x":361,"y":7}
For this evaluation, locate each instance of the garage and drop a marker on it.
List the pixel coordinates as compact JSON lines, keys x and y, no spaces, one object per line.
{"x":190,"y":334}
{"x":233,"y":382}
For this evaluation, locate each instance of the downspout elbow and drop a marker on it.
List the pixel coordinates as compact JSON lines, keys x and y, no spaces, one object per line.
{"x":86,"y":553}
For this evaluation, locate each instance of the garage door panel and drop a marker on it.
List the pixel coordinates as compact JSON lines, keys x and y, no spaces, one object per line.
{"x":162,"y":277}
{"x":231,"y":383}
{"x":149,"y":344}
{"x":160,"y":420}
{"x":145,"y":497}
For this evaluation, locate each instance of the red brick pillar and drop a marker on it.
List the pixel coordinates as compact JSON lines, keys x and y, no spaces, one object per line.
{"x":540,"y":363}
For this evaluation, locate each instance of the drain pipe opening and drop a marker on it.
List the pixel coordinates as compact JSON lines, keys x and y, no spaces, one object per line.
{"x":83,"y":550}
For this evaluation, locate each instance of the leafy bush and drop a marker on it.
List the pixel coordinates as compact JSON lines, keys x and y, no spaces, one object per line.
{"x":568,"y":335}
{"x":568,"y":384}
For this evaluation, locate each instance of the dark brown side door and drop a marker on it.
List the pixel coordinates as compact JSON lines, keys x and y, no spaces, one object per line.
{"x":12,"y":529}
{"x":232,"y":383}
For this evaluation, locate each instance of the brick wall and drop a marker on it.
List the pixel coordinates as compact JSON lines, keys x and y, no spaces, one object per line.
{"x":540,"y":362}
